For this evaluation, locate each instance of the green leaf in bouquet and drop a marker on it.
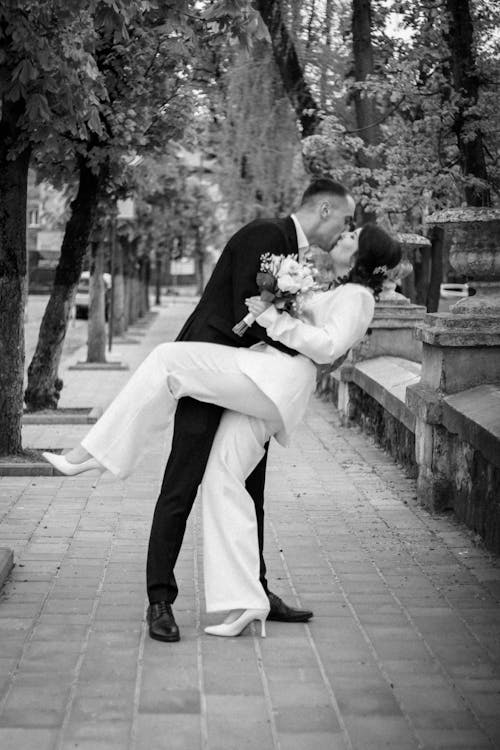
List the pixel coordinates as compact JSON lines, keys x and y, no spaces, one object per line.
{"x":267,"y":296}
{"x":265,"y":281}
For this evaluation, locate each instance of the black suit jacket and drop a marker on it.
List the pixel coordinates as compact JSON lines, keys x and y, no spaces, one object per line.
{"x":222,"y":304}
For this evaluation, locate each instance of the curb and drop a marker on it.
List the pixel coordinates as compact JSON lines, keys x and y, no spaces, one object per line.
{"x":83,"y":415}
{"x":28,"y":469}
{"x":124,"y":341}
{"x":6,"y":564}
{"x":98,"y":366}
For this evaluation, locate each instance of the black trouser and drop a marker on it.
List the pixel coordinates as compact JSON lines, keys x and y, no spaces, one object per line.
{"x":195,"y":426}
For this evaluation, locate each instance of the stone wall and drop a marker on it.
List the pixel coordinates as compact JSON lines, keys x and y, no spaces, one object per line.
{"x":388,"y":431}
{"x":473,"y":491}
{"x":458,"y":465}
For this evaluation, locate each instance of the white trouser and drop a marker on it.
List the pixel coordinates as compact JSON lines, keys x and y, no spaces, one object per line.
{"x":230,"y":540}
{"x":146,"y":405}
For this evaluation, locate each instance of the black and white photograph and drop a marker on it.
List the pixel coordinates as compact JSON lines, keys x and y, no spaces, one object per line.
{"x":249,"y":375}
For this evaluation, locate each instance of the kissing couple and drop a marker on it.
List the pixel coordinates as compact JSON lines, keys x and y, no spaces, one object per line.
{"x":228,"y":394}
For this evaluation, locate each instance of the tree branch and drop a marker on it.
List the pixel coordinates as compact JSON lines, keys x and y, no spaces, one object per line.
{"x":290,"y":67}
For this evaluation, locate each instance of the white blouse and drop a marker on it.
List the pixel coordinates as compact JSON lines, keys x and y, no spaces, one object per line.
{"x":328,"y":325}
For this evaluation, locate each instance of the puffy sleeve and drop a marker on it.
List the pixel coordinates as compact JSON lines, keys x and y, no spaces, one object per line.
{"x":344,"y":321}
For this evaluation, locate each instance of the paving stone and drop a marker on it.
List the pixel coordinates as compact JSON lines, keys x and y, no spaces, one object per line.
{"x":304,"y":718}
{"x":30,"y":705}
{"x":366,"y":699}
{"x":377,"y":732}
{"x":447,"y":738}
{"x":406,"y":608}
{"x":175,"y":731}
{"x":456,"y":720}
{"x":106,"y":734}
{"x":491,"y":727}
{"x":170,"y":701}
{"x":238,"y":722}
{"x":312,"y":741}
{"x":17,"y":738}
{"x":68,"y":606}
{"x":484,"y":695}
{"x":429,"y":698}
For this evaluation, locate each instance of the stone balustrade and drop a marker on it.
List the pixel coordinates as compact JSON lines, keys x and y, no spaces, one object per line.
{"x":458,"y":463}
{"x":428,"y":385}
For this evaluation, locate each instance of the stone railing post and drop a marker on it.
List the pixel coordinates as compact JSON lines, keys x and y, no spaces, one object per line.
{"x":460,"y":349}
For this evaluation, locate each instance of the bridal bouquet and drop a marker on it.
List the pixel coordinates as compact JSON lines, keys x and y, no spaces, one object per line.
{"x":282,"y":279}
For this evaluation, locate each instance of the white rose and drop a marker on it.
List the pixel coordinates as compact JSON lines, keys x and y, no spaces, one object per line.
{"x":288,"y":265}
{"x":307,"y":284}
{"x":289,"y":283}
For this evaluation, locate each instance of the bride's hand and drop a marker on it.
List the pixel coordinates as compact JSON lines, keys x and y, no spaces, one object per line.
{"x":256,"y":305}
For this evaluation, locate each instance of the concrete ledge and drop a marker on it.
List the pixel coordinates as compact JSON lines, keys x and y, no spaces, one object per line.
{"x":6,"y":564}
{"x":137,"y":331}
{"x":176,"y":299}
{"x":27,"y":469}
{"x":474,"y":415}
{"x":454,"y":330}
{"x":29,"y":466}
{"x":98,"y":366}
{"x":123,"y":341}
{"x":386,"y":379}
{"x":84,"y":415}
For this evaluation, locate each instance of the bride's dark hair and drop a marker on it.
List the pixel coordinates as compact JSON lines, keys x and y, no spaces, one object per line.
{"x":377,"y":253}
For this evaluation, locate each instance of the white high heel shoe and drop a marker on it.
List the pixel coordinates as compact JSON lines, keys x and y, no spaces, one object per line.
{"x":238,"y":626}
{"x":62,"y":464}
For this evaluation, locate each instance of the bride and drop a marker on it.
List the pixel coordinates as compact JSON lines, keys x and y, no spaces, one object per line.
{"x":265,"y":393}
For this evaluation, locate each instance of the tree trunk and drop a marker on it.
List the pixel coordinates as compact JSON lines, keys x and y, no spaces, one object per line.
{"x":127,"y":297}
{"x":96,"y":345}
{"x":44,"y":384}
{"x":158,"y":265}
{"x":134,"y":284}
{"x":290,"y":67}
{"x":323,"y":81}
{"x":459,"y":38}
{"x":198,"y":263}
{"x":133,"y":307}
{"x":141,"y":306}
{"x":434,"y":291}
{"x":147,"y":282}
{"x":364,"y":105}
{"x":13,"y":268}
{"x":118,"y":291}
{"x":421,"y":272}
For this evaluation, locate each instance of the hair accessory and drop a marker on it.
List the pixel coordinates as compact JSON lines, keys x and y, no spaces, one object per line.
{"x":380,"y":269}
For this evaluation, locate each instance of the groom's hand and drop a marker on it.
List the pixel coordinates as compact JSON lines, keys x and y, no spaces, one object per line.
{"x":256,"y":305}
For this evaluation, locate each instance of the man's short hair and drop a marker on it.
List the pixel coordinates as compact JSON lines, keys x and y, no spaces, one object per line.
{"x":322,"y":186}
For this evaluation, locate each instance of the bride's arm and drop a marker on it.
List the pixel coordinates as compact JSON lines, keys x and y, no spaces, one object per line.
{"x":346,"y":323}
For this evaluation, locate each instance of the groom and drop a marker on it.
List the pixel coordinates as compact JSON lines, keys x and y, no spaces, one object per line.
{"x":325,"y":209}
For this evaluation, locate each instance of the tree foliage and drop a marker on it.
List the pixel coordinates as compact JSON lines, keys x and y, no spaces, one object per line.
{"x":140,"y":68}
{"x":425,"y":116}
{"x":269,"y":92}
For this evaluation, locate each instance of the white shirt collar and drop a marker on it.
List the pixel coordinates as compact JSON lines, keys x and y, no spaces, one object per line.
{"x":302,"y":241}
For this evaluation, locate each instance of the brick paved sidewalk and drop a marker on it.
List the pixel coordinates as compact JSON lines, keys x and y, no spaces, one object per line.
{"x":403,"y":651}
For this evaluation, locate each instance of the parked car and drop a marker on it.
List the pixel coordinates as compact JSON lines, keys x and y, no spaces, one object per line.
{"x":82,"y":295}
{"x":450,"y":290}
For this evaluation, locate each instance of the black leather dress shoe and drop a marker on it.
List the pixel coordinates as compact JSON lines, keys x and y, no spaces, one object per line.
{"x":162,"y":624}
{"x":283,"y":613}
